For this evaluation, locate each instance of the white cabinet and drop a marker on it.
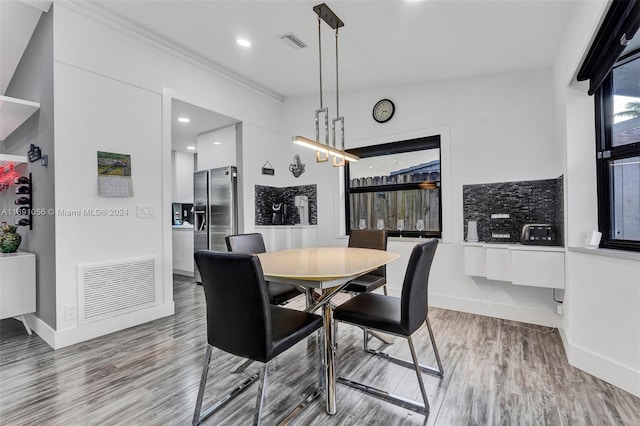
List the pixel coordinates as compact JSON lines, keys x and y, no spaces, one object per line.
{"x":538,"y":268}
{"x":182,"y":168}
{"x":499,"y":263}
{"x":475,"y":261}
{"x":534,"y":266}
{"x":17,"y":285}
{"x":183,"y":250}
{"x":283,"y":237}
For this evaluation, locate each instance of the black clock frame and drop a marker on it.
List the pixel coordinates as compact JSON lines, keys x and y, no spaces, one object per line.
{"x":393,"y":110}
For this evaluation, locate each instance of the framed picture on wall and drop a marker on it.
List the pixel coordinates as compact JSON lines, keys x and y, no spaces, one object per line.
{"x":114,"y":175}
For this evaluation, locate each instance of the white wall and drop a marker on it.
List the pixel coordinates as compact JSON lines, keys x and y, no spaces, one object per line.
{"x":601,"y":325}
{"x":489,"y":126}
{"x":111,"y":95}
{"x":210,"y":155}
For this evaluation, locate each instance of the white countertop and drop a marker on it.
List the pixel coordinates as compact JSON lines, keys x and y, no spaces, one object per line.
{"x":298,"y":226}
{"x":513,"y":246}
{"x":182,"y":227}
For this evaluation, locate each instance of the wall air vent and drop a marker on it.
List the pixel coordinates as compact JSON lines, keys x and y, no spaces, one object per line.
{"x":291,"y":40}
{"x":107,"y":290}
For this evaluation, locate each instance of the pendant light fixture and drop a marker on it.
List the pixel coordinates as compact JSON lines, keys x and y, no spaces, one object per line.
{"x":328,"y":148}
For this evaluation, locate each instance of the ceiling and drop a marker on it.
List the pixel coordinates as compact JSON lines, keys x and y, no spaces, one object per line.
{"x":201,"y":121}
{"x":18,"y":19}
{"x":383,"y":43}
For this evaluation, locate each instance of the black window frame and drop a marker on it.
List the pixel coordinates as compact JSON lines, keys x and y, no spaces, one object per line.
{"x":410,"y":145}
{"x":605,"y":153}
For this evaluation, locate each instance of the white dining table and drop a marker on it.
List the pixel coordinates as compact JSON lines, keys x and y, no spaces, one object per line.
{"x":327,"y":269}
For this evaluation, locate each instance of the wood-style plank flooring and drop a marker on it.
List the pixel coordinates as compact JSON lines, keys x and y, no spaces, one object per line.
{"x":496,"y":373}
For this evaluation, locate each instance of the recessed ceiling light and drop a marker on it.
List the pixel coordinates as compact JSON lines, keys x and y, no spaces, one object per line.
{"x":243,"y":42}
{"x":217,"y":143}
{"x":183,"y":119}
{"x":191,"y":147}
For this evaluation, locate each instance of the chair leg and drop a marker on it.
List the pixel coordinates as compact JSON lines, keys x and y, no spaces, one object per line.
{"x":198,"y":416}
{"x":241,"y":366}
{"x":384,"y":289}
{"x":416,"y":365}
{"x":262,"y":386}
{"x":203,"y":382}
{"x":425,"y":368}
{"x":397,"y":399}
{"x":435,"y":348}
{"x":385,"y":340}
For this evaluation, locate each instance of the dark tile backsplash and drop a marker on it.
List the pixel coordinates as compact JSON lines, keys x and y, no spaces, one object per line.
{"x":267,"y":196}
{"x":532,"y":201}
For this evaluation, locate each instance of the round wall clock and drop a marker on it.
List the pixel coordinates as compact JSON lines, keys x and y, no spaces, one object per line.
{"x":383,"y":110}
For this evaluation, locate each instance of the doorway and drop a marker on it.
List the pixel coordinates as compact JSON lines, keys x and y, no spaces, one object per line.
{"x":199,"y":138}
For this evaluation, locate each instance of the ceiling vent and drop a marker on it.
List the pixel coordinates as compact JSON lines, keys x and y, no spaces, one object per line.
{"x":291,"y":40}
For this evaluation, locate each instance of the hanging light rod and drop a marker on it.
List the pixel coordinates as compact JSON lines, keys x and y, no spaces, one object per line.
{"x":326,"y":149}
{"x":331,"y":146}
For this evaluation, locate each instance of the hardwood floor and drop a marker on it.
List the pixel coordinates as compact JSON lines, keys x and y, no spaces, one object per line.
{"x":496,"y":373}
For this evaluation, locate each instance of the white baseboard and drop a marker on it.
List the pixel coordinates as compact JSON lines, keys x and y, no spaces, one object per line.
{"x":70,"y":336}
{"x":542,"y":317}
{"x":603,"y":368}
{"x":42,"y":329}
{"x":183,"y":272}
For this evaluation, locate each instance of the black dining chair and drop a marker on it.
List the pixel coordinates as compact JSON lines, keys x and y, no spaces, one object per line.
{"x":400,"y":317}
{"x":370,"y":239}
{"x":242,"y":322}
{"x":377,"y":240}
{"x":279,"y":293}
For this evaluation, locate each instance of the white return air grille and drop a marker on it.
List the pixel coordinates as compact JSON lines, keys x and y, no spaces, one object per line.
{"x":109,"y":290}
{"x":293,"y":41}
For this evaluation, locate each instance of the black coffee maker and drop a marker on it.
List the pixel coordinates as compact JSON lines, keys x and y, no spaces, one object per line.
{"x":279,"y":216}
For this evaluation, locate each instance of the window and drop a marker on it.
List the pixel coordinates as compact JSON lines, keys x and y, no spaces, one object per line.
{"x":612,"y":67}
{"x":618,"y":154}
{"x":396,"y":186}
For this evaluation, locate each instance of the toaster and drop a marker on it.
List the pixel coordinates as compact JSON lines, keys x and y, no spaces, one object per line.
{"x":538,"y":234}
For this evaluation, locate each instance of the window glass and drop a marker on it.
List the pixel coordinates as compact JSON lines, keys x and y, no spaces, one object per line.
{"x":383,"y":209}
{"x":625,"y":203}
{"x":397,"y":191}
{"x":626,"y":104}
{"x":385,"y":167}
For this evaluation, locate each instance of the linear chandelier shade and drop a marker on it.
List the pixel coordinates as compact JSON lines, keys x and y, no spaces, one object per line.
{"x":324,"y":149}
{"x":329,"y":147}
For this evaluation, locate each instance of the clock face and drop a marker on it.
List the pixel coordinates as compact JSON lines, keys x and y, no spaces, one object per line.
{"x":383,"y":111}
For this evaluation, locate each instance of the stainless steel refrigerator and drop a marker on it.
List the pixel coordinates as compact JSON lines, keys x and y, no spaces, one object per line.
{"x":215,"y":202}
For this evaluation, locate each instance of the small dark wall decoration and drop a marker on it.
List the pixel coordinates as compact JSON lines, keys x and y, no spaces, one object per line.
{"x":266,"y":197}
{"x":268,"y":169}
{"x":296,"y":168}
{"x":533,"y":201}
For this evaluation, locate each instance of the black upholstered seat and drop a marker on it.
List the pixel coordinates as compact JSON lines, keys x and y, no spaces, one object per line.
{"x":241,"y":321}
{"x":398,"y":316}
{"x":370,"y":239}
{"x":254,"y":243}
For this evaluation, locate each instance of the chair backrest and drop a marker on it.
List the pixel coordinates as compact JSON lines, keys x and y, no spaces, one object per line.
{"x":370,"y":239}
{"x":238,"y":310}
{"x":414,"y":299}
{"x":246,"y":243}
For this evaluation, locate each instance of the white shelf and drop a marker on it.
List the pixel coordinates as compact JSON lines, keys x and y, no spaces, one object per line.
{"x":533,"y":266}
{"x":14,"y":112}
{"x":5,"y":159}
